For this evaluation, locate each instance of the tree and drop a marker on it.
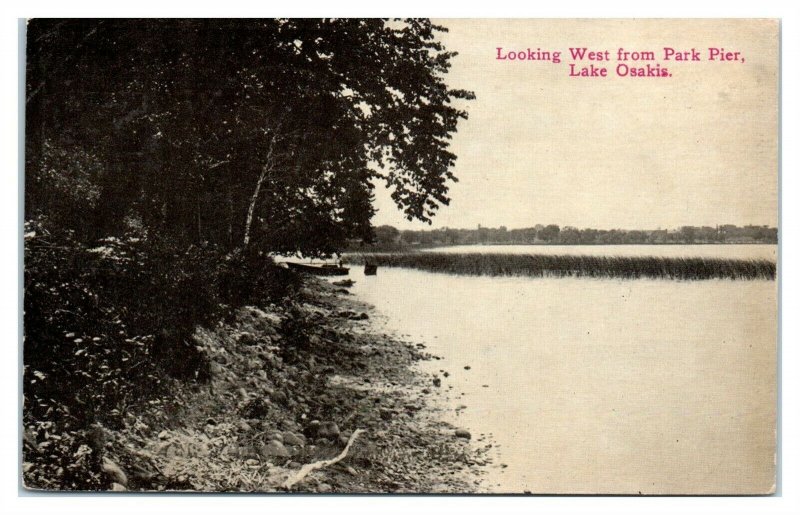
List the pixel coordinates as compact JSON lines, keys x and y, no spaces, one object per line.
{"x":550,"y":233}
{"x":244,"y":133}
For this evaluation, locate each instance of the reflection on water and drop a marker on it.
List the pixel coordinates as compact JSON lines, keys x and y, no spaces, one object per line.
{"x":620,"y":386}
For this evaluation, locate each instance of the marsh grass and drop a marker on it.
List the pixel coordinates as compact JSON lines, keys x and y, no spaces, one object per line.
{"x":540,"y":265}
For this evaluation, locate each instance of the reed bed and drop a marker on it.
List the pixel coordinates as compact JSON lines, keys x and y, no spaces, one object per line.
{"x":542,"y":265}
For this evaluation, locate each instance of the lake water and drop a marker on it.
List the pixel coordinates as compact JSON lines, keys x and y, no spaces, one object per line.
{"x":601,"y":385}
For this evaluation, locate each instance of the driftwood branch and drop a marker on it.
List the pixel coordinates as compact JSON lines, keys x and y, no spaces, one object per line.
{"x":311,"y":467}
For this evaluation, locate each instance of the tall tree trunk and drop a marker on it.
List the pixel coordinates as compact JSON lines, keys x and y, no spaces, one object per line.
{"x":268,"y":163}
{"x":252,"y":207}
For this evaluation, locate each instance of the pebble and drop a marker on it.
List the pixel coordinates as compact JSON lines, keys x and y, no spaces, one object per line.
{"x":290,"y":438}
{"x":324,"y":488}
{"x":275,"y":448}
{"x":312,"y":428}
{"x":463,"y":433}
{"x":114,"y":472}
{"x":329,"y":430}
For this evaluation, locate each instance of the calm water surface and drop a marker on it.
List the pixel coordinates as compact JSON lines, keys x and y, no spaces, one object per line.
{"x":623,"y":386}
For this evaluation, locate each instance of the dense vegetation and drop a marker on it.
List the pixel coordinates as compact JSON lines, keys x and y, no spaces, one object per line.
{"x":388,"y":237}
{"x":167,"y":159}
{"x":540,"y":265}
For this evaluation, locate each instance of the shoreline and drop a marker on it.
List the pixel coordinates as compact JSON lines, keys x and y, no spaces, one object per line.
{"x":289,"y":386}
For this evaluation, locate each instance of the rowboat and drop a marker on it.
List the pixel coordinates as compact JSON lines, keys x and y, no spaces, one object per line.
{"x":319,"y":269}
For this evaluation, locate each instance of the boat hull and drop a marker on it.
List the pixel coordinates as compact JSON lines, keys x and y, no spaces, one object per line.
{"x":319,"y":270}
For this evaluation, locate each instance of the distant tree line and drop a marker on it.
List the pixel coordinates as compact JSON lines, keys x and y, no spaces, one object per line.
{"x":390,"y":237}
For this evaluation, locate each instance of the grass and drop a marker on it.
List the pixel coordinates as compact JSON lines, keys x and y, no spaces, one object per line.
{"x":540,"y":265}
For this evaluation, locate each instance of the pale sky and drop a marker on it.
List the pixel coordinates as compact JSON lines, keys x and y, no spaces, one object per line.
{"x":697,"y":148}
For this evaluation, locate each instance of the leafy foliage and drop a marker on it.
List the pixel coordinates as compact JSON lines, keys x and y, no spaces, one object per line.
{"x":166,"y":160}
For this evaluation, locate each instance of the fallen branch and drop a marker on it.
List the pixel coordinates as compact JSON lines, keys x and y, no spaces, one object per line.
{"x":311,"y":467}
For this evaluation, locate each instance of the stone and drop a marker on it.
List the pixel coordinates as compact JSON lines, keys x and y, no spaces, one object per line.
{"x":247,"y":339}
{"x":116,"y":487}
{"x":312,"y":428}
{"x":276,"y":449}
{"x":463,"y":433}
{"x":290,"y":438}
{"x":114,"y":472}
{"x":276,"y":436}
{"x":329,"y":430}
{"x":324,"y":488}
{"x":467,"y":367}
{"x":280,"y":397}
{"x":437,"y":382}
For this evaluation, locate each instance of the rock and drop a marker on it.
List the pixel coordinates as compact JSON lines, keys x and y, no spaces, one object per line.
{"x":163,"y":435}
{"x":116,"y":487}
{"x":280,"y":397}
{"x":114,"y":472}
{"x":275,"y":448}
{"x":426,"y":390}
{"x":361,"y":316}
{"x":467,"y":367}
{"x":329,"y":430}
{"x":276,"y":436}
{"x":252,"y":462}
{"x":386,"y":414}
{"x":437,"y":382}
{"x":446,"y":374}
{"x":211,"y":422}
{"x":290,"y":438}
{"x":246,"y":339}
{"x":312,"y":428}
{"x":324,"y":488}
{"x":256,"y":408}
{"x":463,"y":433}
{"x":346,"y":283}
{"x":244,"y":426}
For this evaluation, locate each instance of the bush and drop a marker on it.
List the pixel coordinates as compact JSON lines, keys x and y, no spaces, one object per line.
{"x":107,"y":325}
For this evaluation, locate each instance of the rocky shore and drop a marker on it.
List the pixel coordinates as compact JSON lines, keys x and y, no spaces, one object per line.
{"x":307,"y":397}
